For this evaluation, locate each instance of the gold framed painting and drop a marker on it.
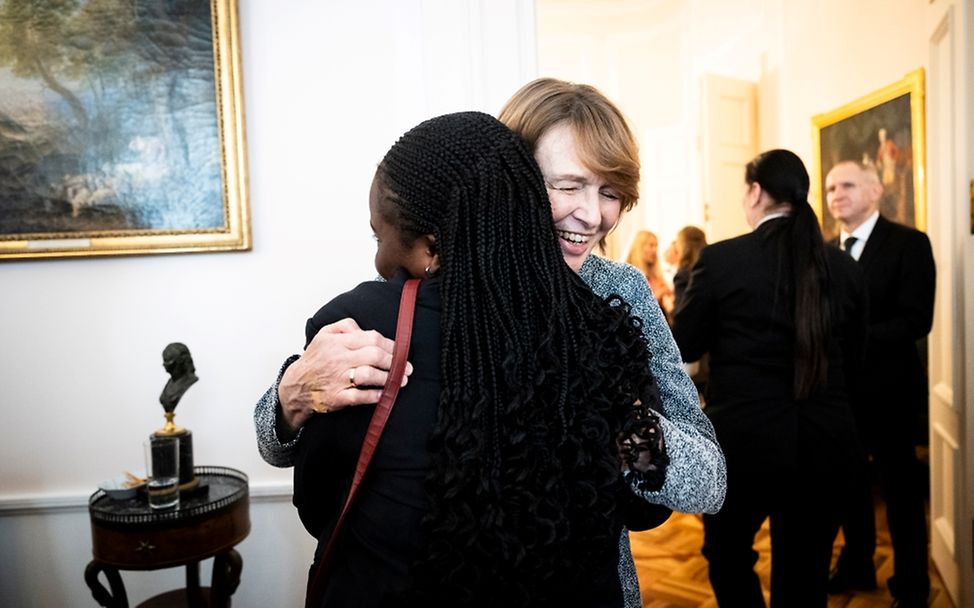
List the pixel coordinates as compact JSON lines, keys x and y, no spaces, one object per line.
{"x":885,"y":129}
{"x":121,"y":128}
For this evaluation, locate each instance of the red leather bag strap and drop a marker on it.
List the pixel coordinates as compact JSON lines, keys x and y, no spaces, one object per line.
{"x":404,"y":334}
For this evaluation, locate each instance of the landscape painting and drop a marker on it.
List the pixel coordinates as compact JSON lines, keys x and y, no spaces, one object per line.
{"x":120,"y":128}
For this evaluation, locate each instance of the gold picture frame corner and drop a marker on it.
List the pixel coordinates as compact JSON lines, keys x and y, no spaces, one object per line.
{"x":912,"y":83}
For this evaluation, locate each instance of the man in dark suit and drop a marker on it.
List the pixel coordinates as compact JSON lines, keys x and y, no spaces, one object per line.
{"x":897,"y":263}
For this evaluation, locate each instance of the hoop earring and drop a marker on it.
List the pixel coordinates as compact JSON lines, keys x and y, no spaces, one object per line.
{"x":427,"y":273}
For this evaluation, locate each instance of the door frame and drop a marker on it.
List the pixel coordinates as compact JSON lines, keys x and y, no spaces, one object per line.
{"x":950,"y":166}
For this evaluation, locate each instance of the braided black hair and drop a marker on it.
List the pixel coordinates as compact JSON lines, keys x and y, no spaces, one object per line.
{"x":539,"y":377}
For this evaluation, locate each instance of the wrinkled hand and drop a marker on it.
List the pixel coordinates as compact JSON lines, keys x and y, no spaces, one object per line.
{"x":319,"y":380}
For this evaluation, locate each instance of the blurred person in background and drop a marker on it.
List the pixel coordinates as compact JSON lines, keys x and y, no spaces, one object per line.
{"x":644,"y":255}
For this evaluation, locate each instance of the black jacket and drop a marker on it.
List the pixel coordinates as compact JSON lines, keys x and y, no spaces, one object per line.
{"x":383,"y":533}
{"x":897,"y":263}
{"x":738,"y":307}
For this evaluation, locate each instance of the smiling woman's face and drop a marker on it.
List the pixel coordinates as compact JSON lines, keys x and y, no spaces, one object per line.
{"x":583,"y":205}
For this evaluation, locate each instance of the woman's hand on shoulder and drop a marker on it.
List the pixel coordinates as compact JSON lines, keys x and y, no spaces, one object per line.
{"x":342,"y":366}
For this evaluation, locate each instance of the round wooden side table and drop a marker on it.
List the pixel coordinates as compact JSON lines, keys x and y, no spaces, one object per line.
{"x":210,"y":521}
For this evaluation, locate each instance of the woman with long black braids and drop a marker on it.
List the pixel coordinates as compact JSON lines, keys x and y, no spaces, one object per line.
{"x":589,"y":159}
{"x":500,"y":479}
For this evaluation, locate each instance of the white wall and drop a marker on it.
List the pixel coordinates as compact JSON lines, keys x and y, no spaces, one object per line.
{"x":328,"y":87}
{"x":833,"y":52}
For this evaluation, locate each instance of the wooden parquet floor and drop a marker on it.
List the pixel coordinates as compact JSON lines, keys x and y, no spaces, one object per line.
{"x":673,"y":573}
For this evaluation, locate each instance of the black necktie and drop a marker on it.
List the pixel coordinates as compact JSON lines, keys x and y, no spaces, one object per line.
{"x":848,"y":243}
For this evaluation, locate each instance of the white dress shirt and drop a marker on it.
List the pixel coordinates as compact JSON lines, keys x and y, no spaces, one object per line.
{"x":861,"y":233}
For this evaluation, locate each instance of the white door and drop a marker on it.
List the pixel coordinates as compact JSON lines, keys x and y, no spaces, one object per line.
{"x":730,"y":140}
{"x":950,"y":219}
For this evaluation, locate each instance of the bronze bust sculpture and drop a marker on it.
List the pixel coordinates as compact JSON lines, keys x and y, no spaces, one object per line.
{"x":179,"y":364}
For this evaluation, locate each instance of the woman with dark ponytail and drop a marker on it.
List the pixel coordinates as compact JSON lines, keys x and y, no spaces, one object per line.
{"x":782,"y":317}
{"x":503,"y":476}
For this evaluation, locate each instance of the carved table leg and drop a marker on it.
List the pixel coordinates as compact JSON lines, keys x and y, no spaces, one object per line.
{"x":194,"y":595}
{"x":226,"y":577}
{"x":115,"y":598}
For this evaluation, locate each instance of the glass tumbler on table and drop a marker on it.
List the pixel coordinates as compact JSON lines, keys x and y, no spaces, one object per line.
{"x":162,"y":470}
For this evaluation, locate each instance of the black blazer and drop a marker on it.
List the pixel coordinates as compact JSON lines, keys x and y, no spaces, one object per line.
{"x":897,"y":263}
{"x":738,"y":307}
{"x":383,"y":533}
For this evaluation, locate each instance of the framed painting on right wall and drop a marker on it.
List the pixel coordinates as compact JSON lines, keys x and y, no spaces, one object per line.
{"x":885,"y":129}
